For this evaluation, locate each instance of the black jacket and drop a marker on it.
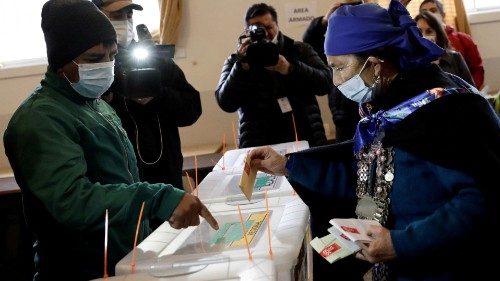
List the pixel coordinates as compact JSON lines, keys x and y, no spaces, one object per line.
{"x":178,"y":105}
{"x":344,"y":111}
{"x":453,"y":62}
{"x":254,"y":93}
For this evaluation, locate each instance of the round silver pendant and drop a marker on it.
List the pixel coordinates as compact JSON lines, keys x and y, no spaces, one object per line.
{"x":389,"y":176}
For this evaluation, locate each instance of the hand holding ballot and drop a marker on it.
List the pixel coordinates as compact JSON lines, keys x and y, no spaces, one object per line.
{"x":268,"y":160}
{"x":366,"y":238}
{"x":247,"y":180}
{"x":380,"y":249}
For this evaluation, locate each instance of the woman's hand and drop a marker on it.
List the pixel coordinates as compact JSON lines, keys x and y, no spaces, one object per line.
{"x":380,"y":249}
{"x":268,"y":160}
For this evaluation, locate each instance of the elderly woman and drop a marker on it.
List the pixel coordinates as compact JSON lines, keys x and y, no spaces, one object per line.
{"x":423,"y":161}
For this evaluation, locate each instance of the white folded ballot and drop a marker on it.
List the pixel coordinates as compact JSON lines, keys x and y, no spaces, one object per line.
{"x":341,"y":242}
{"x":354,"y":229}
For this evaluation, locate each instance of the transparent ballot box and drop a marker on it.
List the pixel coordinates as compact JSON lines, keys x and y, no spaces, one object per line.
{"x":202,"y":253}
{"x":223,"y":186}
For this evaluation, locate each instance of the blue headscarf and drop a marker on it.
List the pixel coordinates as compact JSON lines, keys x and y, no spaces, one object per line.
{"x":366,"y":27}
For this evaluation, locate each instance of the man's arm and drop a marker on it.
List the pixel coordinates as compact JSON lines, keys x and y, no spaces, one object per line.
{"x":48,"y":159}
{"x":234,"y":85}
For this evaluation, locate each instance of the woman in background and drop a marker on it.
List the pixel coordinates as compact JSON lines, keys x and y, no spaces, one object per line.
{"x":452,"y":61}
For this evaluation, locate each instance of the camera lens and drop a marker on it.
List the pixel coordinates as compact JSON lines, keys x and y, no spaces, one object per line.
{"x":257,"y":33}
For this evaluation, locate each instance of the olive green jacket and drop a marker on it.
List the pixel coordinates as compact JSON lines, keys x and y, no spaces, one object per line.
{"x":73,"y":161}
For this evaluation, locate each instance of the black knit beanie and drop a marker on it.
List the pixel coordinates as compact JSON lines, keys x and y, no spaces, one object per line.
{"x":71,"y":27}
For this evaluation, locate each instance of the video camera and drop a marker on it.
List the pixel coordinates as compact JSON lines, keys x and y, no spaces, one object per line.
{"x":261,"y":52}
{"x":138,"y":71}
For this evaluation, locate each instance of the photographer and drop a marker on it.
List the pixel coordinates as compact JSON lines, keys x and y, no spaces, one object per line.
{"x":151,"y":119}
{"x":272,"y":80}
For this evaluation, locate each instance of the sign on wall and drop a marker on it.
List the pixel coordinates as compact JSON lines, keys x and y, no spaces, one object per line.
{"x":300,"y":13}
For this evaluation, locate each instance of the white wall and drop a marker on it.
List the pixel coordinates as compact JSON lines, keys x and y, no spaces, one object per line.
{"x":208,"y":35}
{"x":209,"y":30}
{"x":484,"y":29}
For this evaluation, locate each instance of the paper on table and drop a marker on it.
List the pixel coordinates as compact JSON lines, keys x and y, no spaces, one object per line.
{"x":247,"y":180}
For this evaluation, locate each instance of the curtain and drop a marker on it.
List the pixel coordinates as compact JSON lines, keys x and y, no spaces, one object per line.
{"x":461,"y":21}
{"x":454,"y":9}
{"x":170,"y":19}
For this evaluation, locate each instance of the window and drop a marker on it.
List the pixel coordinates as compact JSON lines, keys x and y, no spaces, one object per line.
{"x":480,"y":5}
{"x":22,"y":37}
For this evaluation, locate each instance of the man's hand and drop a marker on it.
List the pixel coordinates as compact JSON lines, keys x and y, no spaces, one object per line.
{"x":380,"y":249}
{"x":268,"y":160}
{"x":188,"y":211}
{"x":243,"y":44}
{"x":283,"y":66}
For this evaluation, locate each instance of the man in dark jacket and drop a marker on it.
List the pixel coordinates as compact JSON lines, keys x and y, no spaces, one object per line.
{"x":152,"y":121}
{"x":344,"y":111}
{"x":273,"y":98}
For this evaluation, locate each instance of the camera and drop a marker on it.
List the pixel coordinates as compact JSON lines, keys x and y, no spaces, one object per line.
{"x":138,"y":67}
{"x":257,"y":33}
{"x":261,"y":52}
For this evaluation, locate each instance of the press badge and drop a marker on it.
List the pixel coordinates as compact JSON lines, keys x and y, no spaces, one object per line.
{"x":284,"y":105}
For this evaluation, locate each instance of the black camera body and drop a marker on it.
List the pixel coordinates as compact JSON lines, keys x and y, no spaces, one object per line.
{"x":261,"y":52}
{"x":138,"y":67}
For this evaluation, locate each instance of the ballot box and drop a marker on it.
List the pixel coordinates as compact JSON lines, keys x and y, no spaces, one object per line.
{"x":202,"y":253}
{"x":223,"y":186}
{"x":233,"y":160}
{"x":245,"y":270}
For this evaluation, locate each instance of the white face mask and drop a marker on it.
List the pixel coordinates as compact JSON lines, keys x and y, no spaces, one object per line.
{"x":356,"y":90}
{"x":95,"y":78}
{"x":124,"y":31}
{"x":431,"y":38}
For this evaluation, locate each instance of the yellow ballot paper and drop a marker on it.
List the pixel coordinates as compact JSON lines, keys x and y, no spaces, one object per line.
{"x":247,"y":180}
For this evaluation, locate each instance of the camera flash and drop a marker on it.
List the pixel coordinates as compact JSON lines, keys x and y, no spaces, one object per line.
{"x":140,"y":53}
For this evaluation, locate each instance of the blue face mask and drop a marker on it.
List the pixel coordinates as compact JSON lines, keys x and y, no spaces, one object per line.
{"x":356,"y":90}
{"x":95,"y":78}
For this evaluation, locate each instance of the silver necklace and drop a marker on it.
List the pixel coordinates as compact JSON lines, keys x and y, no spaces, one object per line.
{"x":373,"y":187}
{"x":137,"y":138}
{"x":373,"y":197}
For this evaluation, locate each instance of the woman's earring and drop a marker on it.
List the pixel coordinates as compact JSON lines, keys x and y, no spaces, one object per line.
{"x":376,"y":79}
